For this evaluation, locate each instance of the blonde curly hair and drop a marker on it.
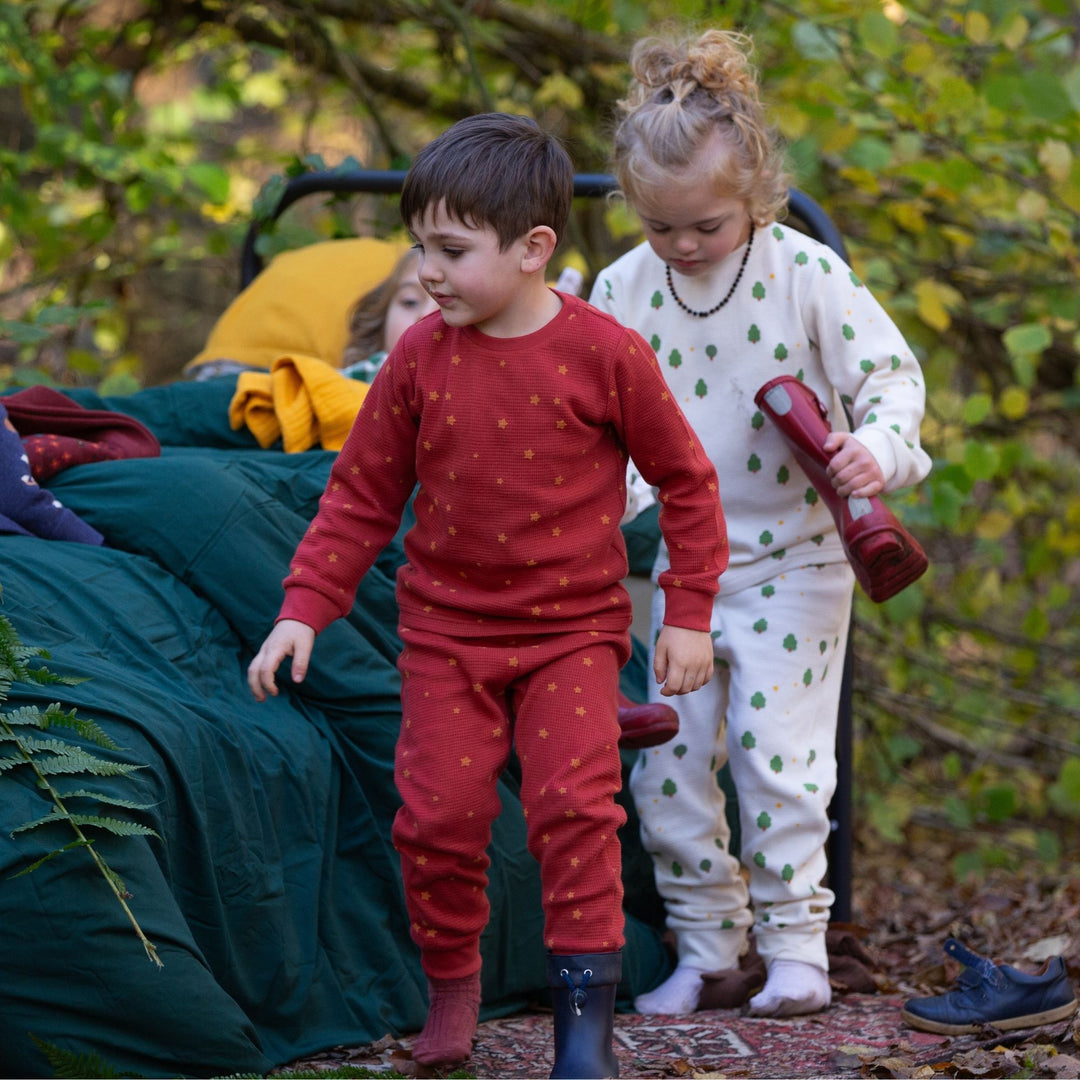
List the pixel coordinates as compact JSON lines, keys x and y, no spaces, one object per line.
{"x":684,"y":94}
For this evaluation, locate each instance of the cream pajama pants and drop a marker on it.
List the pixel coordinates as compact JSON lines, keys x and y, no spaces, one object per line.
{"x":770,"y":711}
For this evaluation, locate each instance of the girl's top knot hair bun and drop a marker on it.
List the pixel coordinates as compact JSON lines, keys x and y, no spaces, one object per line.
{"x":716,"y":62}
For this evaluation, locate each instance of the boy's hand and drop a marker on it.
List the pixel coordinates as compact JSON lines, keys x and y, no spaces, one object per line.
{"x":683,"y":660}
{"x":288,"y":638}
{"x":852,"y":469}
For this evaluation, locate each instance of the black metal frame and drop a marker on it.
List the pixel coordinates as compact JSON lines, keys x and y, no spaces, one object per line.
{"x":817,"y":224}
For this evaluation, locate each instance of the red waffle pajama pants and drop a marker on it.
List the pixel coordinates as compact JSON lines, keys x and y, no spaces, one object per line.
{"x":465,"y":702}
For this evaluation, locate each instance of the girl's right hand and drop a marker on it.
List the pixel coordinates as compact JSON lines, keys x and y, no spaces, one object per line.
{"x":288,"y":638}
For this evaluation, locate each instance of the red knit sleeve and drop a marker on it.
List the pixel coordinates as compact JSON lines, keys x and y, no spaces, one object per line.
{"x":360,"y":509}
{"x":670,"y":457}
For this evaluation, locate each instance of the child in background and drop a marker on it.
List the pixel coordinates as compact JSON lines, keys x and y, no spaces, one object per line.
{"x":382,"y":315}
{"x":515,"y":408}
{"x":729,"y":299}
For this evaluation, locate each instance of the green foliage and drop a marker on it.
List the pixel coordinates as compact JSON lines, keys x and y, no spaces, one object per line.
{"x":71,"y":1065}
{"x":22,"y":749}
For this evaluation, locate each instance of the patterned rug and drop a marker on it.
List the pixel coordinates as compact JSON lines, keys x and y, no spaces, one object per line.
{"x":859,"y":1033}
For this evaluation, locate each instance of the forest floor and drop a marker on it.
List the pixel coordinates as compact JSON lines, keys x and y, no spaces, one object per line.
{"x":903,"y":909}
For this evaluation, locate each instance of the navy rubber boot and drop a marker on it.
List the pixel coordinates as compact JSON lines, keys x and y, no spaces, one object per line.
{"x":583,"y":996}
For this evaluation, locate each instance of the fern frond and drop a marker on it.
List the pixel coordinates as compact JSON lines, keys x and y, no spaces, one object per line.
{"x":90,"y":730}
{"x":81,"y":762}
{"x":113,"y":825}
{"x":108,"y":800}
{"x":51,"y":855}
{"x":55,"y":757}
{"x":69,"y":1065}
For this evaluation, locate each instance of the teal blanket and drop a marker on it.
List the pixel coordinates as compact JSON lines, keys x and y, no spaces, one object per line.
{"x":273,"y":893}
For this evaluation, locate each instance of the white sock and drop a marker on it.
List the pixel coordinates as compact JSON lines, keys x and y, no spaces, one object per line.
{"x":678,"y":994}
{"x":792,"y":988}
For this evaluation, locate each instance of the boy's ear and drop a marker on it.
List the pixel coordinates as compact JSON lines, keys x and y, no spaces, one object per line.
{"x":540,"y":242}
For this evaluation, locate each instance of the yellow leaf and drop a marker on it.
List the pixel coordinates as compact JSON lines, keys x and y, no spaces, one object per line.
{"x":1056,"y":158}
{"x":993,"y":525}
{"x":792,"y":121}
{"x":1014,"y":402}
{"x":560,"y":89}
{"x":1032,"y":206}
{"x":977,"y":27}
{"x":908,"y":216}
{"x":933,"y":299}
{"x":1014,"y":30}
{"x":919,"y":58}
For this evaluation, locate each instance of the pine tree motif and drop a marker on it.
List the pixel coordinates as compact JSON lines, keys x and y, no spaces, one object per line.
{"x":754,"y":336}
{"x":758,"y":291}
{"x":700,"y":389}
{"x":802,"y":259}
{"x":753,"y":464}
{"x":657,"y":300}
{"x":781,"y":352}
{"x":764,"y":822}
{"x":668,"y":788}
{"x":675,"y":358}
{"x":776,"y":764}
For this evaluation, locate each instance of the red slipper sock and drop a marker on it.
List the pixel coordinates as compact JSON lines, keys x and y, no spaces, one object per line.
{"x":453,"y":1008}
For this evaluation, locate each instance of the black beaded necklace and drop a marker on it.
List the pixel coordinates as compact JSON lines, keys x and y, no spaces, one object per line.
{"x":731,"y":291}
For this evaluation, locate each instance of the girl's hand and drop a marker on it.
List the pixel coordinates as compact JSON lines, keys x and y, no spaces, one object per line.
{"x":853,"y":470}
{"x":683,"y":660}
{"x":288,"y":638}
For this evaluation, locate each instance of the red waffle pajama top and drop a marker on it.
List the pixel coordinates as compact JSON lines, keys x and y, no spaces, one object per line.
{"x":519,"y":446}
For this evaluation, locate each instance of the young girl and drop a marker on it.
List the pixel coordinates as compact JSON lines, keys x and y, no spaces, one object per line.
{"x":729,"y":299}
{"x":382,"y":315}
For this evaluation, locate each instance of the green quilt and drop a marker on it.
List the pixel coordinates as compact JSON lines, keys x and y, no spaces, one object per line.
{"x":273,"y":895}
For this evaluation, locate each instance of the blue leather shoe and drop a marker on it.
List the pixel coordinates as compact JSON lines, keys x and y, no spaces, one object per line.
{"x":993,"y":995}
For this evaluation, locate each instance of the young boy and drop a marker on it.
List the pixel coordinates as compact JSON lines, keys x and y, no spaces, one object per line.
{"x":515,"y":408}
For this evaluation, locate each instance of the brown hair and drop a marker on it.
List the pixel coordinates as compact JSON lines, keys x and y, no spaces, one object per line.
{"x":367,"y":317}
{"x":684,"y":93}
{"x":493,"y":169}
